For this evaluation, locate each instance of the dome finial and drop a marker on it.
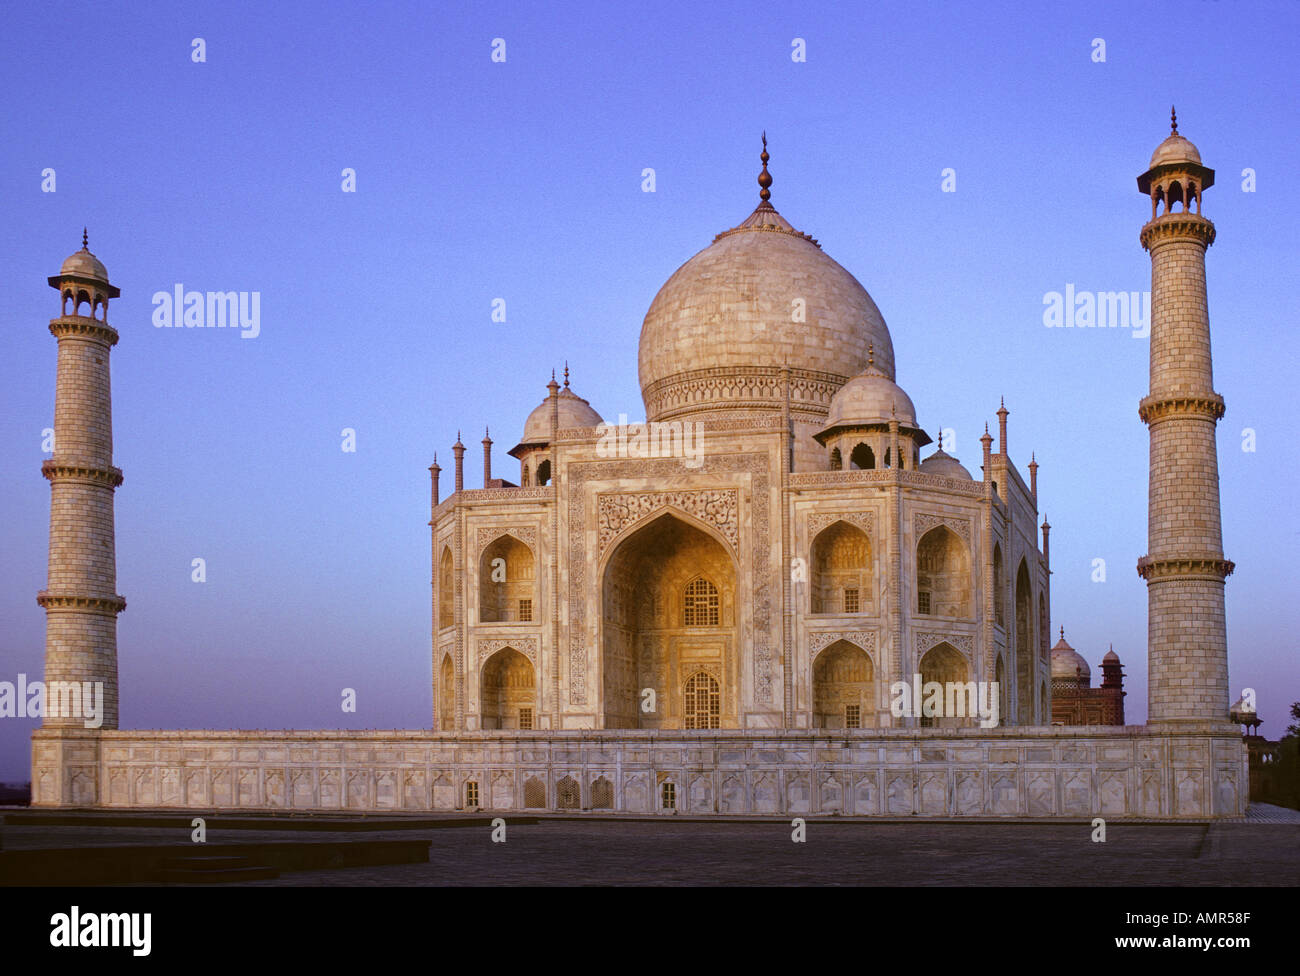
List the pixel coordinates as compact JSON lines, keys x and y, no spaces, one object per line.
{"x":566,"y":374}
{"x":765,"y":178}
{"x":871,"y":354}
{"x":1173,"y":120}
{"x":1062,"y":631}
{"x":85,"y":240}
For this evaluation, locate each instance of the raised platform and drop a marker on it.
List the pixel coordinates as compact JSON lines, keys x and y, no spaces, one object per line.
{"x":1059,"y":772}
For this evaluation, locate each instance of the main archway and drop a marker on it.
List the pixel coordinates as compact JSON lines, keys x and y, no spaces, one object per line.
{"x":668,"y":614}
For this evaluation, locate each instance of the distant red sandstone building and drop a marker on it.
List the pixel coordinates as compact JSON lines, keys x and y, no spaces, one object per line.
{"x":1074,"y":700}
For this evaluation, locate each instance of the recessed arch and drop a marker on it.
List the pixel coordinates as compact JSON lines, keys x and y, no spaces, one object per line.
{"x":943,"y":577}
{"x":944,"y":664}
{"x":507,"y":581}
{"x":840,"y":563}
{"x":843,"y":679}
{"x":446,"y":589}
{"x":447,"y":695}
{"x":1024,"y":647}
{"x":508,"y":696}
{"x":837,"y":460}
{"x":544,"y":473}
{"x":647,"y":641}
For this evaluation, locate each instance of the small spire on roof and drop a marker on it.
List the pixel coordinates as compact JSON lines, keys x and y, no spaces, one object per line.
{"x":566,"y":374}
{"x":1173,"y":120}
{"x":765,"y":178}
{"x":85,"y":240}
{"x":871,"y":354}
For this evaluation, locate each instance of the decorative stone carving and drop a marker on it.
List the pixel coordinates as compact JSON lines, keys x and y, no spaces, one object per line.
{"x":928,"y":639}
{"x":718,"y":508}
{"x":526,"y":646}
{"x":865,"y":639}
{"x":921,"y":524}
{"x":487,"y":534}
{"x":863,"y":520}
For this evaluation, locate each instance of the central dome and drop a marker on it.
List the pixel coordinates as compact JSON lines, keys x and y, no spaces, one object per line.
{"x":761,"y":296}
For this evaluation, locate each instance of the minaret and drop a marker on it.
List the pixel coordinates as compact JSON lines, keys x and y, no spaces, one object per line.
{"x":81,"y":602}
{"x":1187,"y":646}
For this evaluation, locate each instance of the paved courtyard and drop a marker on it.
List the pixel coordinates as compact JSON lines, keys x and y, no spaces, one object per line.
{"x":1262,"y":850}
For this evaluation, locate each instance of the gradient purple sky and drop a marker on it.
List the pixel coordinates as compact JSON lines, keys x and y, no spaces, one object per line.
{"x":522,"y":180}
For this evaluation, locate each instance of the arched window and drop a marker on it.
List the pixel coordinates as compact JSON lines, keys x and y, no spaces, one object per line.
{"x":568,"y":794}
{"x":862,"y":458}
{"x":544,"y":473}
{"x":700,"y":605}
{"x":602,"y":794}
{"x":837,"y":461}
{"x":702,"y":702}
{"x":523,"y":480}
{"x":446,"y":606}
{"x":943,"y":579}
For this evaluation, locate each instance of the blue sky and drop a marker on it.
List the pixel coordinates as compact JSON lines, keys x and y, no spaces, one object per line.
{"x":522,"y":180}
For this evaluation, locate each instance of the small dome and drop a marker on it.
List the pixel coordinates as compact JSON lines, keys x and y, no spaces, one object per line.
{"x":1111,"y":657}
{"x":1069,"y":664}
{"x":574,"y":412}
{"x":1175,"y":149}
{"x":83,"y":264}
{"x":946,"y":465}
{"x":870,"y":398}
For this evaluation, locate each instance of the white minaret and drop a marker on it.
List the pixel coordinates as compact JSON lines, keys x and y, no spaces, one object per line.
{"x":1187,"y":642}
{"x":81,"y":602}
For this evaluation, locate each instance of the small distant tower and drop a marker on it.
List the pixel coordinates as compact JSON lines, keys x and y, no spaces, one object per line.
{"x":81,"y":602}
{"x":1187,"y":648}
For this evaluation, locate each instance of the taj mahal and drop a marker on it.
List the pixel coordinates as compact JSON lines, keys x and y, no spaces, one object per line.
{"x":714,"y":612}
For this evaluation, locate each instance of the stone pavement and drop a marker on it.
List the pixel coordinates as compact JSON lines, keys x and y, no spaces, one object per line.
{"x":559,"y":852}
{"x":1262,"y":850}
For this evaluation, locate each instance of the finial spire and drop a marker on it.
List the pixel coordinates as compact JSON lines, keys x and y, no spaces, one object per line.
{"x":85,"y":240}
{"x":871,"y":354}
{"x":765,"y":178}
{"x":1173,"y":120}
{"x":566,"y":374}
{"x":1062,"y":631}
